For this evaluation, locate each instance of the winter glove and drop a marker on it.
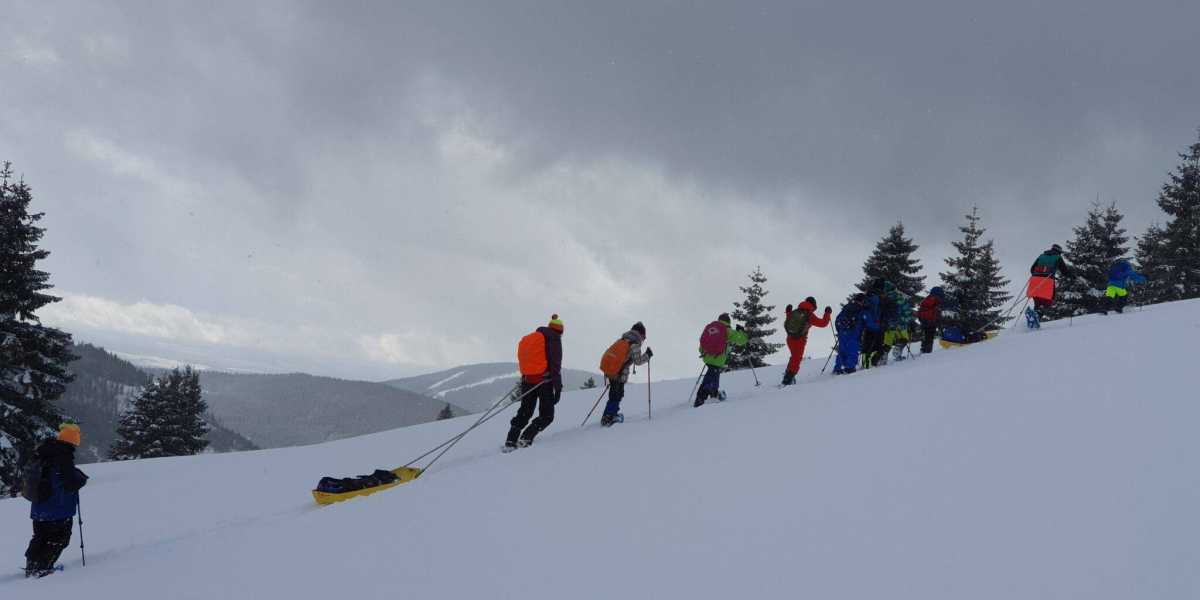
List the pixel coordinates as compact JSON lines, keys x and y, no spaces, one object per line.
{"x":649,"y":353}
{"x":741,"y":329}
{"x":828,"y":310}
{"x":789,"y":308}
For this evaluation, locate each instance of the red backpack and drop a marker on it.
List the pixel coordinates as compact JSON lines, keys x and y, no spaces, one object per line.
{"x":714,"y":338}
{"x":930,"y":307}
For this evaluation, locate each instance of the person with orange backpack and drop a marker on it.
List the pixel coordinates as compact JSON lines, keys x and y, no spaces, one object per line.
{"x":715,"y":342}
{"x":540,"y":359}
{"x":625,"y":354}
{"x":796,"y":324}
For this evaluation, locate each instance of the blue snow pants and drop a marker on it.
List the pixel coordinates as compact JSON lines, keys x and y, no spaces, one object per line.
{"x":847,"y":357}
{"x":711,"y":386}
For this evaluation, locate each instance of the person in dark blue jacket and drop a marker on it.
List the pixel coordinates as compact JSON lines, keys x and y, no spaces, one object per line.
{"x":52,"y":516}
{"x":1118,"y":277}
{"x":850,"y":323}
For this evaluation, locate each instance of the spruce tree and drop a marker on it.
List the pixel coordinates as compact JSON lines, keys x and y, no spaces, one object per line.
{"x":166,"y":419}
{"x":1152,"y":257}
{"x":589,"y":384}
{"x":892,"y":260}
{"x":446,"y":413}
{"x":755,"y":317}
{"x":1098,"y":245}
{"x":33,"y":357}
{"x":974,"y":279}
{"x":1180,"y":199}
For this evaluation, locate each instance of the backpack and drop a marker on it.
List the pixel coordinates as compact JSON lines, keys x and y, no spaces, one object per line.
{"x":35,"y":484}
{"x":847,"y":320}
{"x":928,"y":311}
{"x":614,"y":358}
{"x":797,"y":323}
{"x":531,"y":354}
{"x":714,"y":338}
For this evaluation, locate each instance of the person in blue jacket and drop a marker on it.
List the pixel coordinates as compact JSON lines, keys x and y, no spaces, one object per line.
{"x":850,"y":324}
{"x":60,"y":484}
{"x":1118,"y":277}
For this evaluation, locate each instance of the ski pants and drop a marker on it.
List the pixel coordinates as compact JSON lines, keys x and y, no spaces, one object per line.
{"x":616,"y":391}
{"x":543,"y":398}
{"x":847,"y":357}
{"x":711,"y":386}
{"x":796,"y":347}
{"x":49,"y":540}
{"x":872,"y":345}
{"x":928,"y":333}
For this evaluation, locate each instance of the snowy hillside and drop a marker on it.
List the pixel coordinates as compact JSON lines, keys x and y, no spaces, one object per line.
{"x":1052,"y":464}
{"x":475,"y":387}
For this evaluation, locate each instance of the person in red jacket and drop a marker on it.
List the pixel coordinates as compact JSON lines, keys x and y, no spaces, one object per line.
{"x":797,"y":333}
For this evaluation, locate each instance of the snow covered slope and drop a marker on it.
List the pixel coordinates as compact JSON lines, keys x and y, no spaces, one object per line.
{"x":1052,"y":464}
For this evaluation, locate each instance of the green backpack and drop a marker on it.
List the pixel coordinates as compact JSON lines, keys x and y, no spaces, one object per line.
{"x":797,"y":324}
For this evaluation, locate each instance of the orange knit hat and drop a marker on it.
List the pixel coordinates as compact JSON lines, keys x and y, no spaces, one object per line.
{"x":555,"y":323}
{"x":69,"y":433}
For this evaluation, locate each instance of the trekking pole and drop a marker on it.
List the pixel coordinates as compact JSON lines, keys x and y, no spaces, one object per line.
{"x":756,"y":383}
{"x":831,"y":351}
{"x":649,"y":402}
{"x":697,"y":384}
{"x":602,"y":392}
{"x":79,"y":515}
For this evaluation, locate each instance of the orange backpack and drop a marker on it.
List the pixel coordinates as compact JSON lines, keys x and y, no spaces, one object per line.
{"x":614,"y":358}
{"x":531,"y":354}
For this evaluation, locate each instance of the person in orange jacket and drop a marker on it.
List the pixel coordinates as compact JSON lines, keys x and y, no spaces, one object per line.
{"x":796,"y":325}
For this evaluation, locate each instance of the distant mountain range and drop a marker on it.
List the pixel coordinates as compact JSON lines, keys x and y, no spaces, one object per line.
{"x":276,"y":411}
{"x":104,"y":386}
{"x":476,"y":387}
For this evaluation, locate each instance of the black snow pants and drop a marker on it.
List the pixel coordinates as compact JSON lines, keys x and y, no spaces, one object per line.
{"x":928,"y":335}
{"x":49,"y":540}
{"x":543,"y":398}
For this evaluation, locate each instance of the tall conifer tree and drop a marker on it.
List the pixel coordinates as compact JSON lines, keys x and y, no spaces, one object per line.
{"x":1180,"y":199}
{"x":974,"y":278}
{"x":892,"y":260}
{"x":167,"y":419}
{"x":755,"y":316}
{"x":1152,"y":256}
{"x":33,"y":357}
{"x":1098,"y":245}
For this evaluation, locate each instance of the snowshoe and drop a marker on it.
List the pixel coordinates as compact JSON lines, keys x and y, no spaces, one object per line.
{"x":524,"y":443}
{"x":607,"y":421}
{"x":40,"y":573}
{"x":721,"y":397}
{"x":1031,"y":319}
{"x":508,"y":448}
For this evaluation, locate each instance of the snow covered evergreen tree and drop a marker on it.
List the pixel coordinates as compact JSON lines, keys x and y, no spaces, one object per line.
{"x":33,"y":357}
{"x":167,"y":419}
{"x":1098,"y":244}
{"x":589,"y":384}
{"x":892,"y":260}
{"x":446,"y":413}
{"x":1180,"y":199}
{"x":755,"y":317}
{"x":974,"y":278}
{"x":1152,"y":257}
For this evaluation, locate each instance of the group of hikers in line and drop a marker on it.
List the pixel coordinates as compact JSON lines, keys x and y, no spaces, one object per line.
{"x":872,"y":327}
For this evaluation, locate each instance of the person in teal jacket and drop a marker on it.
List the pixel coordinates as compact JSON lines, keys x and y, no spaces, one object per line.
{"x":1118,"y":277}
{"x":711,"y":387}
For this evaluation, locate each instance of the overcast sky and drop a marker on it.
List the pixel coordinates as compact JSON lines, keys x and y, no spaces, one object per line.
{"x":380,"y":189}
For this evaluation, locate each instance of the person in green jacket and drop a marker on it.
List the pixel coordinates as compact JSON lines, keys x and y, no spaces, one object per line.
{"x":711,"y":387}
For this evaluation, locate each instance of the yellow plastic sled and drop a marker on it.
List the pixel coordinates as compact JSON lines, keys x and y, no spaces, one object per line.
{"x":949,"y":345}
{"x":406,"y":474}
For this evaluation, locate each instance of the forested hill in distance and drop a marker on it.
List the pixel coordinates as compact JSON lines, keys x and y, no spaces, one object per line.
{"x":104,"y":386}
{"x":475,"y":387}
{"x":297,"y":409}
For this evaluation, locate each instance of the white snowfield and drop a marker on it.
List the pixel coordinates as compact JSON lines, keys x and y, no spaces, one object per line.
{"x":1054,"y":464}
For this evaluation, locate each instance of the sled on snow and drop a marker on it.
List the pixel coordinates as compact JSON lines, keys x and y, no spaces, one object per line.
{"x":954,"y":337}
{"x":331,"y":489}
